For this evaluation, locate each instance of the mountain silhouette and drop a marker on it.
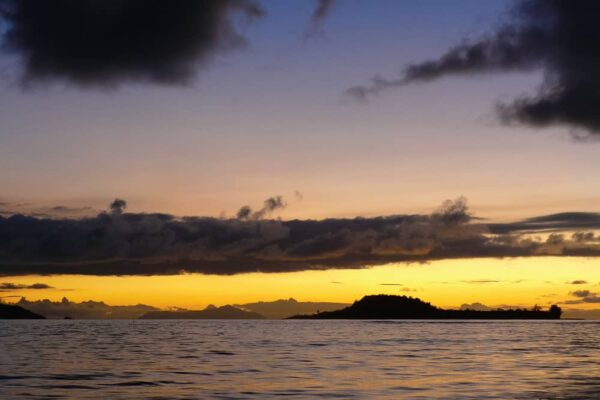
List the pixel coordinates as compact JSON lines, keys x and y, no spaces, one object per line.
{"x":282,"y":308}
{"x":210,"y":312}
{"x":403,"y":307}
{"x":84,"y":310}
{"x":8,"y":311}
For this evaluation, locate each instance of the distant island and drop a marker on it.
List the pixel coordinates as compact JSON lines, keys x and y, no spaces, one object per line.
{"x":8,"y":311}
{"x":369,"y":307}
{"x":67,"y":309}
{"x":210,"y":312}
{"x":404,"y":307}
{"x":280,"y":309}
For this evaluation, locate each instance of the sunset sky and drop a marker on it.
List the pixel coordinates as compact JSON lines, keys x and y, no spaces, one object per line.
{"x":293,"y":111}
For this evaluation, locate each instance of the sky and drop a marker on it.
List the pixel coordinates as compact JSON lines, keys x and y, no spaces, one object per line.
{"x":277,"y":98}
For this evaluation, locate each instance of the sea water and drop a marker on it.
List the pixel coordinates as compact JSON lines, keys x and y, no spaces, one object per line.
{"x":299,"y":359}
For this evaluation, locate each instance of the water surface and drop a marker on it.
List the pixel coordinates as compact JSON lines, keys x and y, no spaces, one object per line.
{"x":301,"y":359}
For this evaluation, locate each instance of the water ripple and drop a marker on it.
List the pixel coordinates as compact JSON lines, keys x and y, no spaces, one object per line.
{"x":299,"y":359}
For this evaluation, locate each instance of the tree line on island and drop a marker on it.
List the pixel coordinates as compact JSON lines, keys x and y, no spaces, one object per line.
{"x":369,"y":307}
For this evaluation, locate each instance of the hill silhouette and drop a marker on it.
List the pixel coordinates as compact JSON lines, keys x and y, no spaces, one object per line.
{"x":84,"y":310}
{"x":282,"y":308}
{"x":8,"y":311}
{"x":210,"y":312}
{"x":403,"y":307}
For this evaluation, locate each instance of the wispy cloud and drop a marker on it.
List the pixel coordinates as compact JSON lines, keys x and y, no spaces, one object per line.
{"x":9,"y":286}
{"x":578,"y":282}
{"x":584,"y":296}
{"x":557,"y":36}
{"x":319,"y":15}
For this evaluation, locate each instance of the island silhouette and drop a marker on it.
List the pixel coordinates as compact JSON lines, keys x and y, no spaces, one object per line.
{"x":405,"y":307}
{"x":369,"y":307}
{"x":9,"y":311}
{"x":67,"y":309}
{"x":210,"y":312}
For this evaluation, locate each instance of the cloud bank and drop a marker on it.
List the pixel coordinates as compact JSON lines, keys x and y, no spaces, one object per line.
{"x":110,"y":42}
{"x":120,"y":243}
{"x":60,"y":211}
{"x":560,"y":37}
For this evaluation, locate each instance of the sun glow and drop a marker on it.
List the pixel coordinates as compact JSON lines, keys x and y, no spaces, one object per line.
{"x":448,"y":283}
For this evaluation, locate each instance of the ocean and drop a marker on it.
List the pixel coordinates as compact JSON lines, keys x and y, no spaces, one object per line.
{"x":301,"y":359}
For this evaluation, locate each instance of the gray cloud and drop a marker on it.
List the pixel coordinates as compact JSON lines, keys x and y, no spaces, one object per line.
{"x":555,"y":222}
{"x":8,"y":286}
{"x":578,"y":282}
{"x":60,"y":211}
{"x":270,"y":205}
{"x":121,"y":243}
{"x":582,"y":293}
{"x":584,"y":296}
{"x":108,"y":43}
{"x":319,"y":15}
{"x":117,"y":206}
{"x":559,"y":37}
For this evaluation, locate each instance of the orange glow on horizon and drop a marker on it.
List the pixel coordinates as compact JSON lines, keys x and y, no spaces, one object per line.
{"x":447,"y":283}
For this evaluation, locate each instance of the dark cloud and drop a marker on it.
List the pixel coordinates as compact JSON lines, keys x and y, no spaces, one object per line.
{"x":270,"y":205}
{"x":322,"y":11}
{"x":400,"y":287}
{"x":578,"y":282}
{"x":582,"y":293}
{"x":244,"y":213}
{"x":8,"y":209}
{"x":319,"y":15}
{"x":481,"y":281}
{"x":111,"y":42}
{"x":584,"y":296}
{"x":554,"y":222}
{"x":559,"y":37}
{"x":117,"y":206}
{"x":120,"y":243}
{"x":6,"y":286}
